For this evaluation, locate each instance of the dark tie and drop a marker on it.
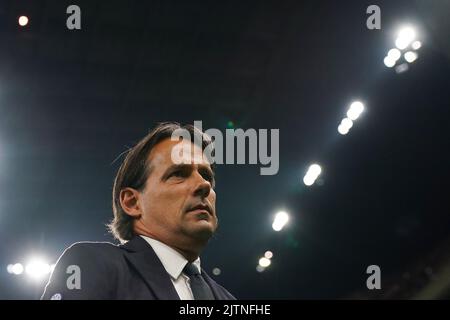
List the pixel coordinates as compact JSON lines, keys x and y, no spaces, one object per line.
{"x":200,"y":289}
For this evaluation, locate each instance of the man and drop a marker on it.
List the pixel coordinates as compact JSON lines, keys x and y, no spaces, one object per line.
{"x":164,"y":215}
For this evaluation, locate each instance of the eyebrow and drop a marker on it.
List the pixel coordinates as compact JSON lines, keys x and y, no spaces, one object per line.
{"x":184,"y":166}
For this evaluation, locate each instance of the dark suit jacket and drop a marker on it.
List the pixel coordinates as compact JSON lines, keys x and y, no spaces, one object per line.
{"x":108,"y":271}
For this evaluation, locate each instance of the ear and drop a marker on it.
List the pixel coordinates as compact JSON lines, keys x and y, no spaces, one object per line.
{"x":129,"y":200}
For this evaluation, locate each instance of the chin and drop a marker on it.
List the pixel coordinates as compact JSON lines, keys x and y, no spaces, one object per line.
{"x":203,"y":232}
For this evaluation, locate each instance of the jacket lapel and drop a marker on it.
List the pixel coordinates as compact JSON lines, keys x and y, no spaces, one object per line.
{"x":141,"y":255}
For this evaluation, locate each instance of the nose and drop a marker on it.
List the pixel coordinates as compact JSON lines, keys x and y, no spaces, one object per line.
{"x":203,"y":186}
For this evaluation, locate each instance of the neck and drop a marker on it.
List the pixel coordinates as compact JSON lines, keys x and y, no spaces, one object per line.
{"x":190,"y":249}
{"x":190,"y":256}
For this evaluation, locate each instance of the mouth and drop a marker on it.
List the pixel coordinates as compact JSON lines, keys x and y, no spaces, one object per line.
{"x":201,"y":209}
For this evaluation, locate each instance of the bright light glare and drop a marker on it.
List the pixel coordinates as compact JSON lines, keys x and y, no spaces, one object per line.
{"x":314,"y":169}
{"x":416,"y":45}
{"x":346,"y":122}
{"x":259,"y":268}
{"x":23,"y":21}
{"x":37,"y":268}
{"x":405,"y":37}
{"x":268,"y":254}
{"x":343,"y":129}
{"x":355,"y":110}
{"x":410,"y":56}
{"x":407,"y":33}
{"x":389,"y":61}
{"x":17,"y":269}
{"x":281,"y":218}
{"x":309,"y":180}
{"x":264,"y":262}
{"x":401,"y":44}
{"x":311,"y":175}
{"x":395,"y":54}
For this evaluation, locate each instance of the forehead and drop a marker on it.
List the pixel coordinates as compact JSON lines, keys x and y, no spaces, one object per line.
{"x":161,"y":155}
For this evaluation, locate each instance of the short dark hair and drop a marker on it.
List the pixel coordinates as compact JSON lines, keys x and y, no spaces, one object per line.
{"x":133,"y":172}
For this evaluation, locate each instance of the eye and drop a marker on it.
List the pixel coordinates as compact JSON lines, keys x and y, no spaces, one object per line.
{"x":207,"y":175}
{"x":179,"y":173}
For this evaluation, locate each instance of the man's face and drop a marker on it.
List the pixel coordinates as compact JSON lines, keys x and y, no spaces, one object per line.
{"x":178,"y":202}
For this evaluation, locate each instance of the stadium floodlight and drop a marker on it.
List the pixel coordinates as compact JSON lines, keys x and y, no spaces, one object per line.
{"x":389,"y":61}
{"x":37,"y":268}
{"x":264,"y":262}
{"x":355,"y":110}
{"x":268,"y":254}
{"x":394,"y":54}
{"x":280,"y":220}
{"x":410,"y":56}
{"x":23,"y":21}
{"x":405,"y":36}
{"x":416,"y":45}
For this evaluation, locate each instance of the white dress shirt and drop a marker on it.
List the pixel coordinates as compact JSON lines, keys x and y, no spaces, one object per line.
{"x":174,"y":263}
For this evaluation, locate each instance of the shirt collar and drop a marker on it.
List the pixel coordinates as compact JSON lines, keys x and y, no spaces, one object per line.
{"x":172,"y":260}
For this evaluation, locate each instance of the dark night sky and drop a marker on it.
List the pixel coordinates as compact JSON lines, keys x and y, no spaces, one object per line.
{"x":72,"y":101}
